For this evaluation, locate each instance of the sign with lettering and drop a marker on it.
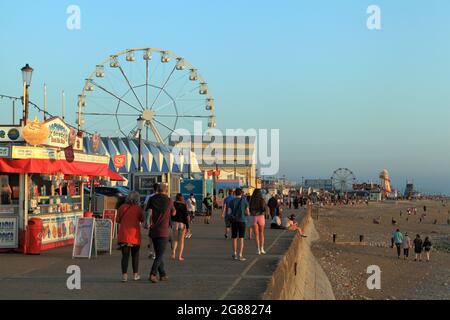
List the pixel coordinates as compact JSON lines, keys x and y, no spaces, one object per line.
{"x":8,"y":233}
{"x":20,"y":152}
{"x":103,"y":235}
{"x":61,"y":136}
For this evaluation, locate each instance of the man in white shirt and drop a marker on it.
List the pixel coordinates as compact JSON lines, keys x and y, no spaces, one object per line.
{"x":191,"y":205}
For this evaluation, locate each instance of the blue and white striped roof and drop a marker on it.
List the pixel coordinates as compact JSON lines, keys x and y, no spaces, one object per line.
{"x":156,"y":158}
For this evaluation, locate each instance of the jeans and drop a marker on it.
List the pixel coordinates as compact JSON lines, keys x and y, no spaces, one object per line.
{"x":159,"y":244}
{"x":399,"y":246}
{"x":406,"y":252}
{"x":134,"y":258}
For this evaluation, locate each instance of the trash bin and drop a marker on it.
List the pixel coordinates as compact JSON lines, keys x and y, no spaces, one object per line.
{"x":34,"y":236}
{"x":88,"y":215}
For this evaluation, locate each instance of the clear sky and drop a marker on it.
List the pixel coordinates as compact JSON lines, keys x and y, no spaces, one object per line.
{"x":342,"y":95}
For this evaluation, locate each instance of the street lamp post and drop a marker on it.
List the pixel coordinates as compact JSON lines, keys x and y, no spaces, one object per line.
{"x":140,"y":126}
{"x":235,"y":175}
{"x":27,"y":73}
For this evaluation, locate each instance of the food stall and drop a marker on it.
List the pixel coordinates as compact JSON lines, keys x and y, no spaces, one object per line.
{"x":42,"y":172}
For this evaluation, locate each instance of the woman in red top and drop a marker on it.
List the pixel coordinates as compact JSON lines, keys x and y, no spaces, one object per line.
{"x":130,"y":217}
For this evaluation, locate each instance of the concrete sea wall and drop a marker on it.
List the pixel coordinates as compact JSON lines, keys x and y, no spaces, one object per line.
{"x":298,"y":275}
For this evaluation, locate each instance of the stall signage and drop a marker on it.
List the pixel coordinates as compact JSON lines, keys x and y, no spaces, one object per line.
{"x":8,"y":233}
{"x":60,"y":135}
{"x":19,"y":152}
{"x":4,"y":152}
{"x":103,"y":235}
{"x":11,"y":134}
{"x":82,"y":157}
{"x":84,"y":245}
{"x":119,"y":160}
{"x":58,"y":228}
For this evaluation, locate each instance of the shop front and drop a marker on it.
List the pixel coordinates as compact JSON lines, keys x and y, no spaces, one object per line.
{"x":42,"y":179}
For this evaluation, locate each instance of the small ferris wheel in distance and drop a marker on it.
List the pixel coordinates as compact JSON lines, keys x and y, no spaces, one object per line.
{"x":343,"y":179}
{"x":150,"y":90}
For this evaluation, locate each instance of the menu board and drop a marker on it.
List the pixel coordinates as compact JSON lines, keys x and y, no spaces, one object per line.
{"x":84,"y":244}
{"x":111,"y":214}
{"x":8,"y":233}
{"x":103,"y":235}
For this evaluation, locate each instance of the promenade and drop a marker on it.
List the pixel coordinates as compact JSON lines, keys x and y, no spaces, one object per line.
{"x":207,"y":273}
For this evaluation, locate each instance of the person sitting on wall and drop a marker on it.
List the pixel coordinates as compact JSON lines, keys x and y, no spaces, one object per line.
{"x":291,"y":224}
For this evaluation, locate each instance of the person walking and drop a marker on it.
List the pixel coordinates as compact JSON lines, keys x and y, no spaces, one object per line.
{"x":191,"y":205}
{"x":162,"y":209}
{"x":147,"y":216}
{"x":427,"y":245}
{"x":130,"y":216}
{"x":208,"y":203}
{"x":273,"y":205}
{"x":239,"y":210}
{"x":257,"y":219}
{"x":180,"y":223}
{"x":406,"y":246}
{"x":418,"y":247}
{"x":225,"y":213}
{"x":398,"y":240}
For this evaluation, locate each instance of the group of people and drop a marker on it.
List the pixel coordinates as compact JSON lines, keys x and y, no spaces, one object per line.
{"x":169,"y":221}
{"x":166,"y":220}
{"x":404,"y":241}
{"x":242,"y":213}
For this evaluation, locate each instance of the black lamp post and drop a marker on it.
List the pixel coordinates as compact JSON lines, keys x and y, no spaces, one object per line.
{"x":27,"y":73}
{"x":140,"y":126}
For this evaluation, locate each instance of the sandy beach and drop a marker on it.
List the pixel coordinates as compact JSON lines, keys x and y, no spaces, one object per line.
{"x":346,"y":264}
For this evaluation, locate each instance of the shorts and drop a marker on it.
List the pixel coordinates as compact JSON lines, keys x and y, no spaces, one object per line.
{"x":178,"y":226}
{"x":227,"y":220}
{"x":254,"y":221}
{"x":177,"y":230}
{"x":237,"y":230}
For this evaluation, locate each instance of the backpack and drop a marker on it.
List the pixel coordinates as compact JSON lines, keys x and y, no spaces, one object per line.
{"x":236,"y":212}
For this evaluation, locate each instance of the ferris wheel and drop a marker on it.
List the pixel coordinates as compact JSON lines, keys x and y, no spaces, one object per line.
{"x":343,"y":179}
{"x":146,"y":90}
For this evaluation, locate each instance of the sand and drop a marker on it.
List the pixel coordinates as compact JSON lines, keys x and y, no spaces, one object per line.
{"x":346,"y":265}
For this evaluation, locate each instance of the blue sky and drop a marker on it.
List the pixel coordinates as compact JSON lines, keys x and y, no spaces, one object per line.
{"x":342,"y":95}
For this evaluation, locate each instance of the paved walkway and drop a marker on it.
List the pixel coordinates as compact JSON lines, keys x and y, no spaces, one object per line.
{"x":207,"y":273}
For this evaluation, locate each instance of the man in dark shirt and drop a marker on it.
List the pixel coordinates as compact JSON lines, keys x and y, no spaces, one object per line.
{"x":273,"y":206}
{"x":161,"y":210}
